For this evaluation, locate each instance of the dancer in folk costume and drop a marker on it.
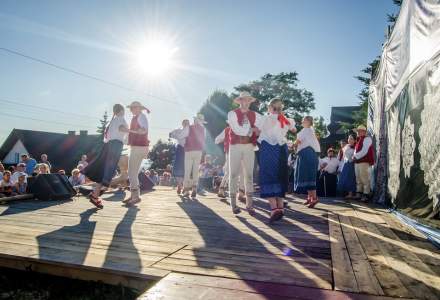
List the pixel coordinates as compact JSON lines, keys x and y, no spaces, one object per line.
{"x":307,"y":161}
{"x":274,"y":169}
{"x":138,"y":141}
{"x":224,"y":137}
{"x":243,"y":138}
{"x":102,"y":169}
{"x":347,"y":177}
{"x":180,"y":135}
{"x":363,"y":159}
{"x":194,"y":145}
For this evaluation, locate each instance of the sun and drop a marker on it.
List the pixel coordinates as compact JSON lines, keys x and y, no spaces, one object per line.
{"x":154,"y":58}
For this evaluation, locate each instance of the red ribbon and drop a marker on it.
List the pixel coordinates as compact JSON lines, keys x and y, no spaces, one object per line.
{"x":283,"y":120}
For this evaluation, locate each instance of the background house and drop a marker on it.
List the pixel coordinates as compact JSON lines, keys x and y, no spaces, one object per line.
{"x":64,"y":150}
{"x":339,"y":115}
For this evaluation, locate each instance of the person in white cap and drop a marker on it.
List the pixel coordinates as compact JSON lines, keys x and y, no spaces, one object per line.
{"x":138,"y":141}
{"x":194,"y":145}
{"x":241,"y":150}
{"x":363,"y":159}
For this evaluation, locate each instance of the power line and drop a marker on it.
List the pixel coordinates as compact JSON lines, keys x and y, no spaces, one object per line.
{"x":41,"y":120}
{"x":69,"y":70}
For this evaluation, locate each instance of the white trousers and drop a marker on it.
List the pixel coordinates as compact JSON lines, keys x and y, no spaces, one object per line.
{"x":241,"y":156}
{"x":137,"y":154}
{"x":363,"y":178}
{"x":192,"y":163}
{"x":225,"y":180}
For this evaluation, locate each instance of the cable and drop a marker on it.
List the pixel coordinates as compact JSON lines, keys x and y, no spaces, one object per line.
{"x":41,"y":120}
{"x":83,"y":74}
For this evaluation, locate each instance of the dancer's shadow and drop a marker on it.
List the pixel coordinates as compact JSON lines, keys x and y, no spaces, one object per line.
{"x":30,"y":205}
{"x":122,"y":253}
{"x":69,"y":243}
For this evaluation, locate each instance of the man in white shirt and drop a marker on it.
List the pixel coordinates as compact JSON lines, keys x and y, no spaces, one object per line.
{"x":363,"y":159}
{"x":241,"y":150}
{"x":328,"y":180}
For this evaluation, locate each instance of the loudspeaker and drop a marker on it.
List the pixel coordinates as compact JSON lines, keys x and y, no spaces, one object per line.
{"x":145,"y":183}
{"x":51,"y":187}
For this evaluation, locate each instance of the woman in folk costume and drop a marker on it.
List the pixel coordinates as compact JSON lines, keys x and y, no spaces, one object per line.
{"x":224,"y":137}
{"x":307,"y":161}
{"x":194,"y":145}
{"x":274,"y":171}
{"x":180,"y":135}
{"x":243,"y":138}
{"x":347,"y":177}
{"x":363,"y":158}
{"x":102,"y":169}
{"x":138,"y":141}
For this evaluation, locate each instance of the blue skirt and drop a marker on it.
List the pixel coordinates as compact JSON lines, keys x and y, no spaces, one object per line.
{"x":274,"y":173}
{"x":347,"y":178}
{"x":179,"y":162}
{"x":306,"y":169}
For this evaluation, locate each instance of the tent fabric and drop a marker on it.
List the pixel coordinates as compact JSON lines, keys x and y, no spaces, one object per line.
{"x":404,"y":110}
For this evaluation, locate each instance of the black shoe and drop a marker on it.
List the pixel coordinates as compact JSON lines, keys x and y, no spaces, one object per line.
{"x":236,"y":210}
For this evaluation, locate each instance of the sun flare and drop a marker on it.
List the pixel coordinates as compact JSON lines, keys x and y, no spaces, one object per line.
{"x":154,"y":58}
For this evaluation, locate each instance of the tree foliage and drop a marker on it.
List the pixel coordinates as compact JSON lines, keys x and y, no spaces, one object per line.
{"x":162,"y":154}
{"x":103,"y":124}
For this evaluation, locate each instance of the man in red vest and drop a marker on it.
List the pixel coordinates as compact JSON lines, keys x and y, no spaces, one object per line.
{"x":243,"y":138}
{"x":363,"y":158}
{"x":194,"y":145}
{"x":138,"y":141}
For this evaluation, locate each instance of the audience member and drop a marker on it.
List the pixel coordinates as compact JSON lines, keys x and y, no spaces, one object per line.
{"x":63,"y":174}
{"x":206,"y":176}
{"x":83,"y":162}
{"x":21,"y":167}
{"x":6,"y":185}
{"x":21,"y":185}
{"x":2,"y":169}
{"x":29,"y":162}
{"x":43,"y":169}
{"x":45,"y":161}
{"x":77,"y":178}
{"x":328,"y":180}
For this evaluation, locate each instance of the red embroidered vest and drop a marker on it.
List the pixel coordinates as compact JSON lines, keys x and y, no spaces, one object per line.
{"x":135,"y":139}
{"x":235,"y":139}
{"x":196,"y":138}
{"x":369,"y":157}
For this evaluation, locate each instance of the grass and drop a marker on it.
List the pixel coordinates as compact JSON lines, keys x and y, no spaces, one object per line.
{"x":28,"y":285}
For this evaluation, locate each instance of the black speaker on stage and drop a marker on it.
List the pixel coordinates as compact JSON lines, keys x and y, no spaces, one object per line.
{"x":145,"y":183}
{"x":51,"y":187}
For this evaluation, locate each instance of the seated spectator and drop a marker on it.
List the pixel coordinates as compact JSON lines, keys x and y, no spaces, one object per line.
{"x":165,"y":179}
{"x":45,"y":161}
{"x":6,"y":185}
{"x":43,"y":169}
{"x":29,"y":162}
{"x":77,"y":178}
{"x":154,"y":177}
{"x":21,"y":168}
{"x":63,"y":174}
{"x":206,"y":170}
{"x":83,"y":162}
{"x":2,"y":169}
{"x":328,"y":180}
{"x":20,"y":186}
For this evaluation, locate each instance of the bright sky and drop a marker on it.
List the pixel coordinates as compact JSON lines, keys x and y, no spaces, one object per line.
{"x":198,"y":46}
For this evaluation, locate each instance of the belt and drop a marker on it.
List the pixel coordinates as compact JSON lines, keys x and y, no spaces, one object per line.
{"x":244,"y":140}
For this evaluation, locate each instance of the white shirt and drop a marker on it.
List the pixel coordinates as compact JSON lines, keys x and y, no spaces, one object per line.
{"x":346,"y":157}
{"x":180,"y":134}
{"x":83,"y":163}
{"x":245,"y":129}
{"x":142,"y":121}
{"x":14,"y":177}
{"x":113,"y":132}
{"x":368,"y":141}
{"x":271,"y":131}
{"x":332,"y":164}
{"x":221,"y":137}
{"x":308,"y":138}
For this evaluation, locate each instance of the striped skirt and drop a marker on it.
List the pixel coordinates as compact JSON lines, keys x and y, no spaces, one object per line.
{"x":274,"y":173}
{"x":306,"y":169}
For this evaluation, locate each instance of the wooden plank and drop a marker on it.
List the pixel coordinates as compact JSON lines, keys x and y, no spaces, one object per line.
{"x":343,"y":274}
{"x":365,"y":277}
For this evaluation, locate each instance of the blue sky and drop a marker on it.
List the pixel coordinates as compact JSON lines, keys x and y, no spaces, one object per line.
{"x":220,"y":45}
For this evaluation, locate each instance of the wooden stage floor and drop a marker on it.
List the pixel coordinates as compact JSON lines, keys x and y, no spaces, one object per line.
{"x":197,"y":249}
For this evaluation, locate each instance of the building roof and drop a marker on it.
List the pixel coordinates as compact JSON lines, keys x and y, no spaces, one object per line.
{"x":339,"y":114}
{"x":63,"y":150}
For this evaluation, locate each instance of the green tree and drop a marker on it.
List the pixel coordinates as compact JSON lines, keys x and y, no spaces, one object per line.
{"x":297,"y":101}
{"x":162,"y":154}
{"x":103,"y":124}
{"x":215,"y":110}
{"x":320,"y":126}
